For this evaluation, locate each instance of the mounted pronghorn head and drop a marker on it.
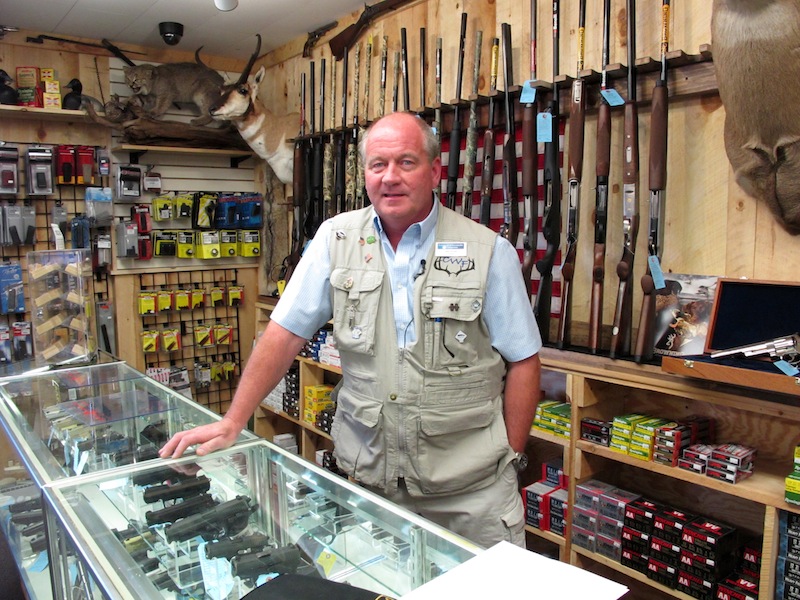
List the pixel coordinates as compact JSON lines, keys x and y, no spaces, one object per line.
{"x":265,"y":133}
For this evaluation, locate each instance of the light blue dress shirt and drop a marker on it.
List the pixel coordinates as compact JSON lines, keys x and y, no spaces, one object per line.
{"x":305,"y":305}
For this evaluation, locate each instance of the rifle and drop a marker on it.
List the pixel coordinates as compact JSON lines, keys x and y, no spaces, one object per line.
{"x":313,"y":166}
{"x":530,"y":166}
{"x":104,"y":43}
{"x":348,"y":36}
{"x":437,"y":110}
{"x":340,"y":183}
{"x":653,"y":279}
{"x":551,"y":226}
{"x":298,"y":189}
{"x":314,"y":36}
{"x":327,"y":156}
{"x":384,"y":66}
{"x":367,"y":78}
{"x":396,"y":83}
{"x":226,"y":519}
{"x":455,"y":132}
{"x":487,"y":172}
{"x":404,"y":67}
{"x":623,"y":312}
{"x":577,"y":119}
{"x":352,"y":161}
{"x":361,"y":191}
{"x":510,"y":227}
{"x":603,"y":169}
{"x":472,"y":133}
{"x":422,"y":65}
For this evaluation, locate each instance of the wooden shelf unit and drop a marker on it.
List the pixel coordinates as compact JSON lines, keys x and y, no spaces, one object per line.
{"x":599,"y":387}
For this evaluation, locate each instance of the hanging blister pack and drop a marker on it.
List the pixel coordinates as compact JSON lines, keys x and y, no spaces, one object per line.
{"x":102,"y":250}
{"x":228,"y":242}
{"x":165,"y":242}
{"x":65,"y":165}
{"x":28,"y":224}
{"x":103,"y":162}
{"x":129,"y":182}
{"x":106,"y":327}
{"x":162,"y":208}
{"x":39,"y":170}
{"x":127,"y":240}
{"x":204,"y":210}
{"x":19,"y":225}
{"x":59,"y":217}
{"x":250,"y":212}
{"x":12,"y":297}
{"x":9,"y":169}
{"x":99,"y":205}
{"x":249,"y":242}
{"x":79,"y":227}
{"x":207,"y":244}
{"x":225,"y":216}
{"x":84,"y":161}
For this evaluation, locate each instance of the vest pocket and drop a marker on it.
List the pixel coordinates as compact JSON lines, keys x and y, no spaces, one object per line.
{"x":454,"y":313}
{"x":356,"y":298}
{"x":357,"y":435}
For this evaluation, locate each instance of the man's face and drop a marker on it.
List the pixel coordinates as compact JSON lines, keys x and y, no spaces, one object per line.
{"x":398,"y":173}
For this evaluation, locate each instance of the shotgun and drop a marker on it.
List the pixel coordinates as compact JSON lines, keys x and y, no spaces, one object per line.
{"x":454,"y":157}
{"x":602,"y":171}
{"x":422,"y":67}
{"x":367,"y":78}
{"x":351,"y":174}
{"x":487,"y":171}
{"x":653,"y":278}
{"x":437,"y":110}
{"x":396,"y":83}
{"x":340,"y":188}
{"x":471,"y":156}
{"x":350,"y":34}
{"x":384,"y":65}
{"x":577,"y":119}
{"x":298,"y":188}
{"x":361,"y":190}
{"x":530,"y":165}
{"x":551,"y":222}
{"x":315,"y":155}
{"x":327,"y":156}
{"x":510,"y":227}
{"x":623,"y":312}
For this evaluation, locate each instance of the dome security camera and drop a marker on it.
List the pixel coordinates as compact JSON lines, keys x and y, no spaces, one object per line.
{"x":171,"y":32}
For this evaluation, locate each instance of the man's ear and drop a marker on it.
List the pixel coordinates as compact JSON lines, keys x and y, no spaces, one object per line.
{"x":436,"y":165}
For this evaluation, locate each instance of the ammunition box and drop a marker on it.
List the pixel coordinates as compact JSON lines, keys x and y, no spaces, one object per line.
{"x":660,"y":571}
{"x":633,"y":559}
{"x":696,"y":587}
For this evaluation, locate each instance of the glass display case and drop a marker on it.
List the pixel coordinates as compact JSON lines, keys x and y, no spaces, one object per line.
{"x":66,"y":423}
{"x":218,"y":526}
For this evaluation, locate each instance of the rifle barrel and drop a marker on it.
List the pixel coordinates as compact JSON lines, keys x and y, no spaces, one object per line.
{"x":454,"y":156}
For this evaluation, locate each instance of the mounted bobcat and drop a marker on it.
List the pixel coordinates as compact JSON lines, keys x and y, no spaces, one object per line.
{"x":264,"y":132}
{"x":757,"y":59}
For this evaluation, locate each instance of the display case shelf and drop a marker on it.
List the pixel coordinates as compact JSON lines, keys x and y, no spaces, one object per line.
{"x":547,"y":535}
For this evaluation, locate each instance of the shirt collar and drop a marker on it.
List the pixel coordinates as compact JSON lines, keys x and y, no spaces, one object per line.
{"x":421,"y":230}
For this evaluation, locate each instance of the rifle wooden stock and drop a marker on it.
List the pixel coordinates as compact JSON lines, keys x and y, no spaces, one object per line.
{"x":530,"y":166}
{"x":510,"y":190}
{"x":348,"y":36}
{"x":454,"y":155}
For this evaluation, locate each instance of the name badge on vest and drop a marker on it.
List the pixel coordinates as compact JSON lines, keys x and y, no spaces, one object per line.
{"x":451,"y":249}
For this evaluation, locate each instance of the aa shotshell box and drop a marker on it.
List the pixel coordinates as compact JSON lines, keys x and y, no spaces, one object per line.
{"x":633,"y":559}
{"x":640,"y":514}
{"x":751,"y":553}
{"x":736,"y":454}
{"x":185,"y":241}
{"x":737,"y":588}
{"x":613,"y":502}
{"x":665,"y":551}
{"x":584,"y":518}
{"x":609,"y":527}
{"x":704,"y":567}
{"x":249,"y":242}
{"x":598,"y":432}
{"x":668,"y":524}
{"x":708,"y":538}
{"x":607,"y":546}
{"x":228,"y":242}
{"x":587,"y":493}
{"x":634,"y":539}
{"x":729,"y":476}
{"x":207,"y":244}
{"x":585,"y":538}
{"x":660,"y":571}
{"x":692,"y":465}
{"x":695,"y":586}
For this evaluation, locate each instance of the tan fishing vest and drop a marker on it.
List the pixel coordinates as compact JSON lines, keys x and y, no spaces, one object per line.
{"x":430,"y":413}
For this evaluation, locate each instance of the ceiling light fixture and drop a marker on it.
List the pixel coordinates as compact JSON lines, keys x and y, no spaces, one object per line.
{"x":226,"y":5}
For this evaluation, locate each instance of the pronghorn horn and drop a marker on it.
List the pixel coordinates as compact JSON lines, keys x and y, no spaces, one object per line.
{"x":246,"y":73}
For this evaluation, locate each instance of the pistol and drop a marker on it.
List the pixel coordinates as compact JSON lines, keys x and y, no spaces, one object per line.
{"x":182,"y":489}
{"x":237,"y":546}
{"x":25,"y":505}
{"x":275,"y":560}
{"x":228,"y":518}
{"x":780,"y":348}
{"x":179,"y":510}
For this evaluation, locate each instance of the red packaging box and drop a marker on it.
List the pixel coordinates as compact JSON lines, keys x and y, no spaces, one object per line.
{"x":735,"y":454}
{"x":734,"y":477}
{"x":695,"y":586}
{"x":640,"y":514}
{"x":669,"y":523}
{"x":708,"y":538}
{"x":737,"y":589}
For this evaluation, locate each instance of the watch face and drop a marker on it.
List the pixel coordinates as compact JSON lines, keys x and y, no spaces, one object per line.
{"x":521,"y":462}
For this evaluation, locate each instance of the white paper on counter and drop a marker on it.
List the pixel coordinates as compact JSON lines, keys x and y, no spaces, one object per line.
{"x":508,"y":571}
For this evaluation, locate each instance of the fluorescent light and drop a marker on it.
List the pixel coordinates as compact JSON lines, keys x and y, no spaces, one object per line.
{"x":226,"y":5}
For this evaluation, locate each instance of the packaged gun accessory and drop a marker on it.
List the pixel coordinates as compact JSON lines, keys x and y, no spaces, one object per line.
{"x":79,"y":228}
{"x":223,"y":333}
{"x":28,"y":230}
{"x":249,"y":241}
{"x":225,"y":215}
{"x":185,"y":244}
{"x":202,"y":375}
{"x":182,"y":299}
{"x":165,"y":242}
{"x":235,"y":295}
{"x":59,"y":217}
{"x":103,"y":162}
{"x":217,"y":294}
{"x":171,"y":339}
{"x":204,"y":209}
{"x":152,"y":182}
{"x":84,"y":161}
{"x":184,"y":204}
{"x":207,"y":244}
{"x":106,"y":326}
{"x":148,"y":303}
{"x":144,"y":246}
{"x":162,"y":208}
{"x":150,"y":339}
{"x":65,"y":165}
{"x":102,"y":251}
{"x":5,"y":344}
{"x":39,"y":171}
{"x":203,"y":336}
{"x":164,"y":300}
{"x":9,"y":169}
{"x":228,"y":242}
{"x":140,"y":214}
{"x":198,"y":298}
{"x":22,"y":345}
{"x":129,"y":182}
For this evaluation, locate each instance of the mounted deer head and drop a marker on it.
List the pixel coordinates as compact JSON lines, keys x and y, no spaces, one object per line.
{"x":265,"y":133}
{"x":757,"y":60}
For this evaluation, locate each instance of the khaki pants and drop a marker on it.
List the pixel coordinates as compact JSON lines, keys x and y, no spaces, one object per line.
{"x":485,"y":517}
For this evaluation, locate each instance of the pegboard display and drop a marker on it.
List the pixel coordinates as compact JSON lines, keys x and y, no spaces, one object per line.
{"x":192,"y":321}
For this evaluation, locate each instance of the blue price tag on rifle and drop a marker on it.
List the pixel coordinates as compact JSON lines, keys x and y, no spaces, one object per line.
{"x":528,"y":93}
{"x":612,"y":97}
{"x":656,"y":272}
{"x":544,"y":128}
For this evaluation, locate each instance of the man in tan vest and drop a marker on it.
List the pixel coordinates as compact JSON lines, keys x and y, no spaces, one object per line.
{"x":438,"y":345}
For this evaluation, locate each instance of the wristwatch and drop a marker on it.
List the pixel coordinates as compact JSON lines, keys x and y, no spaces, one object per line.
{"x":520,"y":461}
